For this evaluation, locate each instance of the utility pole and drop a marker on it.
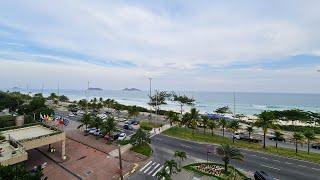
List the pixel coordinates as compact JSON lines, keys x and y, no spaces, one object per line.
{"x":58,"y":89}
{"x":150,"y":79}
{"x":120,"y":162}
{"x":234,"y":105}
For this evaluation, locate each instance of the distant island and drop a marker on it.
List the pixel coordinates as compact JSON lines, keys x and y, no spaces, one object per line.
{"x":94,"y":89}
{"x":131,"y":89}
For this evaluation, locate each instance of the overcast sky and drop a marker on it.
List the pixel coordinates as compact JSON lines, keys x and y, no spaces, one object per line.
{"x":263,"y":46}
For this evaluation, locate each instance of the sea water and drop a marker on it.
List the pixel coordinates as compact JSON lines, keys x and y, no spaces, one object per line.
{"x":248,"y":103}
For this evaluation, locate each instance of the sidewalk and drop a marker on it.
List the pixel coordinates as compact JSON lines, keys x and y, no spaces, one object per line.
{"x":156,"y":131}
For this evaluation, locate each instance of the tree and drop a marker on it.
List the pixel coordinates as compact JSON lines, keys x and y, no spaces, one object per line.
{"x":96,"y":122}
{"x":228,"y":153}
{"x":223,"y":123}
{"x":83,"y":104}
{"x":181,"y":155}
{"x":212,"y":125}
{"x":172,"y":166}
{"x":140,"y":137}
{"x":163,"y":175}
{"x":310,"y":136}
{"x":172,"y":117}
{"x":85,"y":120}
{"x":182,"y":101}
{"x":133,"y":111}
{"x":109,"y":126}
{"x":250,"y":130}
{"x":223,"y":110}
{"x":298,"y":138}
{"x":53,"y":96}
{"x":234,"y":126}
{"x":20,"y":172}
{"x":266,"y":120}
{"x":194,"y":117}
{"x":63,"y":98}
{"x":158,"y":99}
{"x":205,"y":121}
{"x":277,"y":135}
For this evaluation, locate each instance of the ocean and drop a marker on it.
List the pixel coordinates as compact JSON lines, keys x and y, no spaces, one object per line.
{"x":247,"y":103}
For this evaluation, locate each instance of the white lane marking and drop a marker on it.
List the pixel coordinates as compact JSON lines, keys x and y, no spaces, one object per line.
{"x":288,"y":163}
{"x":275,"y":160}
{"x":186,"y":146}
{"x":263,"y":157}
{"x":145,"y":166}
{"x":253,"y":155}
{"x":157,"y":171}
{"x":147,"y":169}
{"x":302,"y":166}
{"x":315,"y":169}
{"x":154,"y":169}
{"x":270,"y":167}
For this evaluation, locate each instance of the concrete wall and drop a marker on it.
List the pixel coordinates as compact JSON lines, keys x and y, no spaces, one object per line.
{"x":43,"y":141}
{"x":15,"y":159}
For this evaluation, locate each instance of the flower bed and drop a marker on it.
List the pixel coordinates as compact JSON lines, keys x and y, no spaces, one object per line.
{"x":215,"y":170}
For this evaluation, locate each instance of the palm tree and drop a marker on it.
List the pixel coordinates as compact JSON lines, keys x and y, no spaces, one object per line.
{"x":133,"y":111}
{"x":223,"y":123}
{"x":96,"y":122}
{"x":85,"y":120}
{"x":298,"y":138}
{"x":234,"y":126}
{"x":109,"y":126}
{"x":228,"y":152}
{"x":265,"y":121}
{"x":163,"y":175}
{"x":172,"y":117}
{"x":250,"y":130}
{"x":182,"y":156}
{"x":205,"y":121}
{"x":211,"y":124}
{"x":310,"y":136}
{"x":172,"y":166}
{"x":278,"y":135}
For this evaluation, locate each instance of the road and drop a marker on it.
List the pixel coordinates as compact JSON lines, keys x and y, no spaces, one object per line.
{"x":278,"y":167}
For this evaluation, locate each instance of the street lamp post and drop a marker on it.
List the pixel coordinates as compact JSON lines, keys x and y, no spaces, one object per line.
{"x":150,"y":79}
{"x":120,"y":162}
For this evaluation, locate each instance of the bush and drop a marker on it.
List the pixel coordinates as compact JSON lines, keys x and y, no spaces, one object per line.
{"x":123,"y":142}
{"x":144,"y":149}
{"x":300,"y":128}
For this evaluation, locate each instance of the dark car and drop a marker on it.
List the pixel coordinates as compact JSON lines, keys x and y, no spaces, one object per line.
{"x":280,"y":139}
{"x":127,"y":127}
{"x":315,"y":146}
{"x":134,"y":122}
{"x":261,"y":175}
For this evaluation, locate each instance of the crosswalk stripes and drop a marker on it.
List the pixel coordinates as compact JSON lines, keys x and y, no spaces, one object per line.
{"x":151,"y":168}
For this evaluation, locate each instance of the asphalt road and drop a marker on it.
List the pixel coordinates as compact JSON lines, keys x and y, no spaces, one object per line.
{"x":277,"y":167}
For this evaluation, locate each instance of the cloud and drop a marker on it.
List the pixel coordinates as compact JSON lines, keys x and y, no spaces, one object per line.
{"x":182,"y":40}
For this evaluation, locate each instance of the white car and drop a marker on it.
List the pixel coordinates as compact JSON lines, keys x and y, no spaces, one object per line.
{"x":122,"y":136}
{"x":71,"y":115}
{"x":92,"y":130}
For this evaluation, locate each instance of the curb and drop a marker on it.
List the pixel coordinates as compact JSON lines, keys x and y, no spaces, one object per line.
{"x":132,"y":171}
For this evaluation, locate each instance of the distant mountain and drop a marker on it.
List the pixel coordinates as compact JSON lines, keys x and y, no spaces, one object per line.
{"x":131,"y":89}
{"x":94,"y":89}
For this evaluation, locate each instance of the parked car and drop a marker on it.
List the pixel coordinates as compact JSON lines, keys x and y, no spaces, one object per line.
{"x":261,"y":175}
{"x":281,"y":139}
{"x":122,"y":136}
{"x":246,"y":138}
{"x":316,"y":146}
{"x":98,"y":133}
{"x":71,"y":114}
{"x":92,"y":130}
{"x":127,"y":127}
{"x":134,"y":122}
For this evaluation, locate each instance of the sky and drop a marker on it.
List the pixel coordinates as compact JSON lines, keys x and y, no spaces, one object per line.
{"x":247,"y":45}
